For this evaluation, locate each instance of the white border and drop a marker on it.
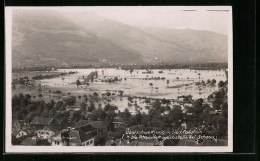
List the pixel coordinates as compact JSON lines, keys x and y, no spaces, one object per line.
{"x":9,"y":148}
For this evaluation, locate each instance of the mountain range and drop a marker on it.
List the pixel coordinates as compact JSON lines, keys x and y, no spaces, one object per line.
{"x":47,"y":37}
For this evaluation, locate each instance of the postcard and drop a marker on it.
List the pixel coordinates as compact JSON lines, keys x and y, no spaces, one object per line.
{"x":119,"y":79}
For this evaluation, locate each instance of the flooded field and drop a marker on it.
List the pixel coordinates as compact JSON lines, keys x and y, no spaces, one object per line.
{"x":168,"y":84}
{"x":172,"y":83}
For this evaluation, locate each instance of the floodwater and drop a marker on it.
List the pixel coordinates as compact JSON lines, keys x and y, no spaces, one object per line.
{"x":180,"y":82}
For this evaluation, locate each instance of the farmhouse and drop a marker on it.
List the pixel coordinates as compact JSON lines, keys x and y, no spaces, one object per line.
{"x":19,"y":133}
{"x":73,"y":137}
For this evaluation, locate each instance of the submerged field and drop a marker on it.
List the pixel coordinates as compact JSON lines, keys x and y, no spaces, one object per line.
{"x":168,"y":84}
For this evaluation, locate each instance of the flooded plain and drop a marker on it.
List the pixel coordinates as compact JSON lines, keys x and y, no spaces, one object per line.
{"x":156,"y":83}
{"x":166,"y":84}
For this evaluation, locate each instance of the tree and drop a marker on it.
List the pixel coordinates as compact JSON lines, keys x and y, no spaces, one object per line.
{"x":85,"y":98}
{"x":30,"y":116}
{"x":30,"y":107}
{"x":19,"y":115}
{"x":77,"y":116}
{"x":100,"y":139}
{"x":130,"y":99}
{"x":78,"y":83}
{"x":224,"y":110}
{"x":59,"y":105}
{"x":197,"y":83}
{"x":109,"y":107}
{"x":108,"y":94}
{"x":208,"y":81}
{"x":27,"y":96}
{"x":52,"y":112}
{"x":147,"y":100}
{"x":121,"y":92}
{"x":175,"y":115}
{"x":170,"y":142}
{"x":213,"y":82}
{"x":40,"y":108}
{"x":217,"y":102}
{"x":15,"y":100}
{"x":52,"y":103}
{"x":203,"y":83}
{"x":91,"y":107}
{"x":95,"y":94}
{"x":70,"y":101}
{"x":98,"y":114}
{"x":156,"y":105}
{"x":40,"y":96}
{"x":146,"y":120}
{"x":83,"y":106}
{"x":45,"y":112}
{"x":221,"y":84}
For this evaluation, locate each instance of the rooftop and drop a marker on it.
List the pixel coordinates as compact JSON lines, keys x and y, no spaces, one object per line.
{"x":30,"y":141}
{"x":41,"y":121}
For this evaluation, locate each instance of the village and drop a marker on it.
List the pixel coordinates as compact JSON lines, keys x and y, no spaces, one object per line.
{"x":48,"y":117}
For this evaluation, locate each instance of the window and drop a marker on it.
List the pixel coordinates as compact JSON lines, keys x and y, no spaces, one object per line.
{"x":87,"y":143}
{"x":58,"y":143}
{"x":91,"y":141}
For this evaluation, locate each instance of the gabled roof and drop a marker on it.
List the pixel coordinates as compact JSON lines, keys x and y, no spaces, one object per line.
{"x":213,"y":112}
{"x":94,"y":124}
{"x":29,"y":141}
{"x":52,"y":128}
{"x":100,"y":124}
{"x":81,"y":123}
{"x":16,"y":132}
{"x":19,"y":121}
{"x":84,"y":137}
{"x":75,"y":135}
{"x":41,"y":121}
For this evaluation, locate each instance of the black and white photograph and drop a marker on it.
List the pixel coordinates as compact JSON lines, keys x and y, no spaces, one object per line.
{"x":119,"y":79}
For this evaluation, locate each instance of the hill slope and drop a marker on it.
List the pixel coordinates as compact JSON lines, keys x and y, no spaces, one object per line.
{"x":51,"y":38}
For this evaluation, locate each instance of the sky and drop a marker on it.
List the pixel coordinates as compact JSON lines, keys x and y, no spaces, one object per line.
{"x":211,"y":18}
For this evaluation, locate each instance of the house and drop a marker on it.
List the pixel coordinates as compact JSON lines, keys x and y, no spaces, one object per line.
{"x":39,"y":122}
{"x":99,"y":126}
{"x":184,"y":126}
{"x":45,"y":127}
{"x":214,"y":112}
{"x":19,"y":133}
{"x":57,"y":139}
{"x":181,"y":98}
{"x":118,"y":124}
{"x":73,"y":137}
{"x":29,"y":141}
{"x":46,"y":132}
{"x":20,"y":125}
{"x":73,"y":108}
